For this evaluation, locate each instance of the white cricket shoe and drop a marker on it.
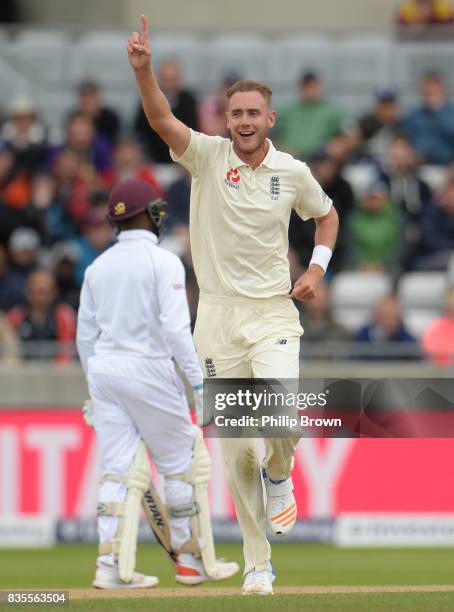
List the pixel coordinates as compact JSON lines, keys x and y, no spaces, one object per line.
{"x":190,"y":570}
{"x":259,"y":582}
{"x":107,"y":577}
{"x":280,"y":504}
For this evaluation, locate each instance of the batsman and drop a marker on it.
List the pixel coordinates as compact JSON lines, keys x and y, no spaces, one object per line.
{"x":133,"y":319}
{"x":243,"y":191}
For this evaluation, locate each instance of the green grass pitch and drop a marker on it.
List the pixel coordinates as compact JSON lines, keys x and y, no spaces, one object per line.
{"x":72,"y":566}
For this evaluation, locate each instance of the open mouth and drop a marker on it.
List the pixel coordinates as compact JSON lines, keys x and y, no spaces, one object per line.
{"x":246,"y":134}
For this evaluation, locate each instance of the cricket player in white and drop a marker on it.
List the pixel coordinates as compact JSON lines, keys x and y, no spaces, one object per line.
{"x":133,"y":318}
{"x":243,"y":192}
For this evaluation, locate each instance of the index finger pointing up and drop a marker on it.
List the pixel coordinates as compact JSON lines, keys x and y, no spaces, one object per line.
{"x":144,"y":23}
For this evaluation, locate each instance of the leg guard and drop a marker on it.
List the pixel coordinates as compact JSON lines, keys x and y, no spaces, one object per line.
{"x":198,"y":474}
{"x":124,"y":544}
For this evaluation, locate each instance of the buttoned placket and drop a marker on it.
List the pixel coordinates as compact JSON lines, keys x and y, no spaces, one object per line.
{"x":250,"y":179}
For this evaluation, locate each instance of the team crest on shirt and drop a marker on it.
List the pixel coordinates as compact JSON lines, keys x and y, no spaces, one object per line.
{"x":232,"y":178}
{"x":275,"y":187}
{"x":210,"y":368}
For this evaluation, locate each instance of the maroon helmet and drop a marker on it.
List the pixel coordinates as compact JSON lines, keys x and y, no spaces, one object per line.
{"x":132,"y":197}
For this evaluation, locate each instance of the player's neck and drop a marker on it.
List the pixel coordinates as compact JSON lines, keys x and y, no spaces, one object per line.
{"x":254,"y":159}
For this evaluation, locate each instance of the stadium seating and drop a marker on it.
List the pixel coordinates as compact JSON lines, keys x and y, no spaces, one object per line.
{"x":421,"y":297}
{"x":354,"y":295}
{"x":353,"y":65}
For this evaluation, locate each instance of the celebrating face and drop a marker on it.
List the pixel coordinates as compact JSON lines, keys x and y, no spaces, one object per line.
{"x":249,"y":120}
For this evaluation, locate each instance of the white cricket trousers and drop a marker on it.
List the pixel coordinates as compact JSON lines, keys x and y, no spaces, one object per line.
{"x":250,"y":338}
{"x":137,"y":399}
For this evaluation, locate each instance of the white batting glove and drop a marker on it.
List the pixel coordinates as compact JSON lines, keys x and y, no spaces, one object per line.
{"x":87,"y":412}
{"x":198,"y":403}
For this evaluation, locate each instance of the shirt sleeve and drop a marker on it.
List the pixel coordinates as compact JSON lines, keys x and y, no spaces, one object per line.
{"x":312,"y":201}
{"x":200,"y":149}
{"x":87,"y":328}
{"x":175,"y":318}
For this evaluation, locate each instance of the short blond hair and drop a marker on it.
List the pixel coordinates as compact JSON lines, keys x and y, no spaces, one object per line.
{"x":266,"y":91}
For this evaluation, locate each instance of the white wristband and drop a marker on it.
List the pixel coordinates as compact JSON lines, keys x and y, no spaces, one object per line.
{"x":321,"y":256}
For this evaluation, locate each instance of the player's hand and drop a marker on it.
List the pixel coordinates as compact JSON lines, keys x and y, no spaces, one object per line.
{"x":139,"y":49}
{"x":87,"y":412}
{"x":307,"y":284}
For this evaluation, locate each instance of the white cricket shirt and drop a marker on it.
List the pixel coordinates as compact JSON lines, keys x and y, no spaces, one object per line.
{"x":133,"y":305}
{"x":239,"y":217}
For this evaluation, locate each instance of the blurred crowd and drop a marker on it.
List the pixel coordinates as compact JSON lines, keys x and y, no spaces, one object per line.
{"x":425,"y":12}
{"x":54,"y":188}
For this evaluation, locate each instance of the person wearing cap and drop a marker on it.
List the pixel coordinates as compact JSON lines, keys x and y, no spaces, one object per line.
{"x":242,"y":194}
{"x":26,"y":134}
{"x":24,"y":253}
{"x":378,"y":127}
{"x":312,"y":121}
{"x":133,"y":320}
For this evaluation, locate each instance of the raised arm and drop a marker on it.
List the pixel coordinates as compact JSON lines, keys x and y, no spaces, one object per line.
{"x":159,"y":114}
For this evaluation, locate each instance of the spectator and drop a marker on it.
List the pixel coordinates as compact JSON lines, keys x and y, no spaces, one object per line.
{"x":378,"y":127}
{"x":63,"y":263}
{"x":425,"y":12}
{"x":311,"y":122}
{"x":69,"y":192}
{"x":11,"y":287}
{"x":15,"y":188}
{"x":387,"y":328}
{"x":301,"y":233}
{"x":96,"y":237}
{"x":94,"y":150}
{"x":438,"y":340}
{"x":318,"y":323}
{"x":16,"y":210}
{"x":409,"y":192}
{"x":183,"y":105}
{"x":375,"y":230}
{"x":41,"y":321}
{"x":431,"y":126}
{"x":212,"y":108}
{"x":437,"y":230}
{"x":24,"y":249}
{"x":26,"y":135}
{"x":129,"y":163}
{"x":91,"y":103}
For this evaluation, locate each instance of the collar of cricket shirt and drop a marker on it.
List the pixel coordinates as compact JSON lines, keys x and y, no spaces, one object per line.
{"x":269,"y":160}
{"x":137,"y":233}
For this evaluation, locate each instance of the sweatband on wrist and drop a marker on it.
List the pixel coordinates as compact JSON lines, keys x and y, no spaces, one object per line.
{"x":321,"y":256}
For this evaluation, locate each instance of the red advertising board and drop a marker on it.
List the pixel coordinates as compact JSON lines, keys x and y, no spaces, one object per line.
{"x":49,"y":465}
